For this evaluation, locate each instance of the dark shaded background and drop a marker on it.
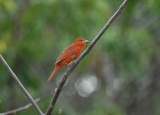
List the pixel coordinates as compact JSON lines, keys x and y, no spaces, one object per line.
{"x":120,"y":76}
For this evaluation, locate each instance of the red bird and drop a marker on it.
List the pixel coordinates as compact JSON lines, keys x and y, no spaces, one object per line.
{"x":69,"y":54}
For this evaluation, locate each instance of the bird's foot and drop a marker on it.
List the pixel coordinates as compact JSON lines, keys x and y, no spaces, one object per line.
{"x":74,"y":61}
{"x":67,"y":67}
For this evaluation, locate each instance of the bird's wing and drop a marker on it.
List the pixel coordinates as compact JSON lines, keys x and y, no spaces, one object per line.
{"x":68,"y":53}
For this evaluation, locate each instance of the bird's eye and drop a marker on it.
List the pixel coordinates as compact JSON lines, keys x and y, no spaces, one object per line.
{"x":81,"y":40}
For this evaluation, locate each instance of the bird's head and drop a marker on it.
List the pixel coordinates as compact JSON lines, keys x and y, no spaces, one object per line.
{"x":80,"y":41}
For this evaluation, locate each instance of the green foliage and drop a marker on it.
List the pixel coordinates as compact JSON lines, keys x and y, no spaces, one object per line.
{"x":33,"y":34}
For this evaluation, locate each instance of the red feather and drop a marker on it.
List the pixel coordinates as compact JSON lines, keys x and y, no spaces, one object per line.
{"x":69,"y":54}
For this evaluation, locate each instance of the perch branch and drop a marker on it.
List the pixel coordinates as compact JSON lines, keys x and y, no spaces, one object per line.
{"x":21,"y":86}
{"x":66,"y":74}
{"x":19,"y":109}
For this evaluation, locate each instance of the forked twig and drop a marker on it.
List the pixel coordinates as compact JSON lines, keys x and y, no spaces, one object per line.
{"x":21,"y":86}
{"x":19,"y":109}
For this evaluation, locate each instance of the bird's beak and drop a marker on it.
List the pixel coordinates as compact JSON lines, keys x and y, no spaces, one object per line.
{"x":86,"y":41}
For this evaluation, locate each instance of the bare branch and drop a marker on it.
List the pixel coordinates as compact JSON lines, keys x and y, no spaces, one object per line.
{"x":19,"y":109}
{"x":66,"y":74}
{"x":21,"y":86}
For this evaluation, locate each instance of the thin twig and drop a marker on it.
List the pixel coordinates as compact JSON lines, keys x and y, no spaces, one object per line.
{"x":19,"y":109}
{"x":21,"y":86}
{"x":66,"y":74}
{"x":60,"y":112}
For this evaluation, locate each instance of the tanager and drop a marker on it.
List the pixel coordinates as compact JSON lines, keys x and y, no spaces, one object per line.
{"x":69,"y":54}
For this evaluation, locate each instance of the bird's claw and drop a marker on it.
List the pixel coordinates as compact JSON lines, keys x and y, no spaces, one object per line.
{"x":66,"y":66}
{"x":74,"y":61}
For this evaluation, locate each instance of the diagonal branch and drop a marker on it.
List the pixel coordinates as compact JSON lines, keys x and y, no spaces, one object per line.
{"x":66,"y":74}
{"x":21,"y":86}
{"x":19,"y":109}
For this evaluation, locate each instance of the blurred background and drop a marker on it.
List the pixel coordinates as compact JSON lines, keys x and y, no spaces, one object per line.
{"x":120,"y":76}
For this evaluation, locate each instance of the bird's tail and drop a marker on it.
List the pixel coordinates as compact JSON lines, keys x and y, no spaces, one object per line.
{"x":54,"y":71}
